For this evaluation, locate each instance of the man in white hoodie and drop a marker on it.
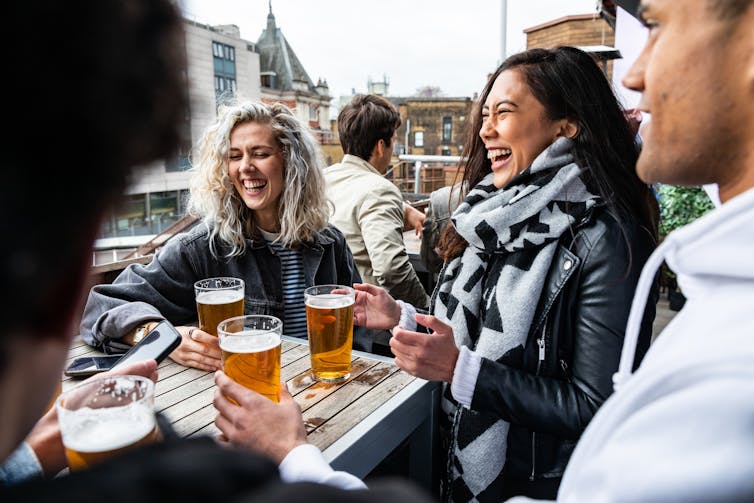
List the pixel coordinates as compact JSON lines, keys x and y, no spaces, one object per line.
{"x":681,"y":428}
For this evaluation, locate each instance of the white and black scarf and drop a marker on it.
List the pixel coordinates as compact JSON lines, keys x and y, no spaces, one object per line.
{"x":491,"y":308}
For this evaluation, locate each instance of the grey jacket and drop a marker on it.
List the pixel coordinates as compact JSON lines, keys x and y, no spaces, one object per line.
{"x":164,"y":288}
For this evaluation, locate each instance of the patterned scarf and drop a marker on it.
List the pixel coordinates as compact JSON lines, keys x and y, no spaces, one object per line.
{"x":489,"y":295}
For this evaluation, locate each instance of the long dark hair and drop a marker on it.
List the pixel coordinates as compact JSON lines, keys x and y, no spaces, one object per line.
{"x":569,"y":84}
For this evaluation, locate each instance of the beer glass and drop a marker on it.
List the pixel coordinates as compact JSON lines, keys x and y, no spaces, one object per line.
{"x":251,"y":352}
{"x":218,"y":299}
{"x":106,"y":416}
{"x":329,"y":321}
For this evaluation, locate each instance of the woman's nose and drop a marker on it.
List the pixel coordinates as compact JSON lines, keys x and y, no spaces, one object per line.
{"x":246,"y":163}
{"x":486,"y":130}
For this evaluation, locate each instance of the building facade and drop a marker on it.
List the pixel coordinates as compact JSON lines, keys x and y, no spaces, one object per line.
{"x":431,"y":126}
{"x":219,"y":64}
{"x":586,"y":30}
{"x":284,"y":79}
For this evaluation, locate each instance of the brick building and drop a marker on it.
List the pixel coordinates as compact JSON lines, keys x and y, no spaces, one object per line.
{"x":431,"y":126}
{"x":578,"y":30}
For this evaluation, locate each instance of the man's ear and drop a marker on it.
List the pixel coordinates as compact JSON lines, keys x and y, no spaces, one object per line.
{"x":377,"y":151}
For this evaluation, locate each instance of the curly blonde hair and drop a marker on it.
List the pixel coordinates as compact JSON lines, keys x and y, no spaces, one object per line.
{"x":303,"y":209}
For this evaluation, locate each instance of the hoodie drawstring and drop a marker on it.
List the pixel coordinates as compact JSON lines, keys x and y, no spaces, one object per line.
{"x":636,"y":315}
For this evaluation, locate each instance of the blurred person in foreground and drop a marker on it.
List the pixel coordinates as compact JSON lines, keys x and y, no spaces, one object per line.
{"x":259,"y":189}
{"x":127,"y":109}
{"x":681,"y":427}
{"x":540,"y":264}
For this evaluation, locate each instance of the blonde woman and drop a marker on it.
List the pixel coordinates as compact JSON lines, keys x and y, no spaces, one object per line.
{"x":259,"y":190}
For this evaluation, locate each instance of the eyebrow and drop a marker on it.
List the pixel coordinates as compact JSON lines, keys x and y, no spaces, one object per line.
{"x":253,"y":147}
{"x":501,"y":102}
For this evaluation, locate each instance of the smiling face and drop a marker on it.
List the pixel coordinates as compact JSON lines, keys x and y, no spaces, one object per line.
{"x":257,"y":168}
{"x":515,"y":128}
{"x":696,"y":76}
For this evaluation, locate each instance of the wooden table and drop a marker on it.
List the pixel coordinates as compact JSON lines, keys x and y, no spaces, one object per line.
{"x":356,"y":424}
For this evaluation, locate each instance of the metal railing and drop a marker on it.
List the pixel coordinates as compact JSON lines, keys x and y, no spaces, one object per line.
{"x":424,"y":176}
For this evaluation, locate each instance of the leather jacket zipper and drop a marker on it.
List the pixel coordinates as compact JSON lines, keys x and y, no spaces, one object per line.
{"x":541,"y":344}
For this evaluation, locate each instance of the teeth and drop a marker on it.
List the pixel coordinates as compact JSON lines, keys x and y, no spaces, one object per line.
{"x":491,"y":154}
{"x":254,"y":184}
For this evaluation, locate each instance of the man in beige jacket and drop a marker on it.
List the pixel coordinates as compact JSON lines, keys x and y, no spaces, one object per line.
{"x":369,"y":209}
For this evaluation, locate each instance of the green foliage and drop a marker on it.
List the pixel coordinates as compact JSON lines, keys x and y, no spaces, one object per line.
{"x":680,"y":206}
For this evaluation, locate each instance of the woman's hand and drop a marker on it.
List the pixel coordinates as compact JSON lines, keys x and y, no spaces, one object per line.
{"x":257,"y":423}
{"x":198,"y":349}
{"x":374,"y":307}
{"x":429,"y":356}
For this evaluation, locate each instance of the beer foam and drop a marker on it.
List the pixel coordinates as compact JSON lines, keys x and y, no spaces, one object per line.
{"x":329,"y":301}
{"x":101,"y":430}
{"x":219,"y":296}
{"x":250,"y":341}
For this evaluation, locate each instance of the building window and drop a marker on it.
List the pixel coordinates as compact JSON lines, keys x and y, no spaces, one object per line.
{"x":313,"y":113}
{"x":447,"y":129}
{"x":418,"y":138}
{"x":268,"y":79}
{"x":224,"y":62}
{"x":223,"y":51}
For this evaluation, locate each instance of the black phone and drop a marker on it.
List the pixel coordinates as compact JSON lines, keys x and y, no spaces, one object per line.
{"x":156,"y":345}
{"x":90,"y":365}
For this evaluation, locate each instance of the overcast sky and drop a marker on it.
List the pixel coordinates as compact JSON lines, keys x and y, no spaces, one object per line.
{"x":451,"y":44}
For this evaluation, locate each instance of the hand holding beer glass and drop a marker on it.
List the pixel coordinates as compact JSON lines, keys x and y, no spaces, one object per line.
{"x":106,"y":416}
{"x":329,"y":321}
{"x":218,"y":299}
{"x":251,"y":352}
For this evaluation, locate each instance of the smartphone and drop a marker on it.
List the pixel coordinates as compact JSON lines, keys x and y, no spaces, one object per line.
{"x":90,"y":365}
{"x":156,"y":345}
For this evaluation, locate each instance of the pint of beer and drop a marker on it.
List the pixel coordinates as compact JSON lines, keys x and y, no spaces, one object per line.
{"x":218,"y":299}
{"x":104,"y":417}
{"x":329,"y":321}
{"x":251,"y":352}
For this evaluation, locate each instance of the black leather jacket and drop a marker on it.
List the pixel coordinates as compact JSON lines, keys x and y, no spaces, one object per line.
{"x":572,"y":350}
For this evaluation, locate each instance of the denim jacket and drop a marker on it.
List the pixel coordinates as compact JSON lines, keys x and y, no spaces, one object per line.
{"x":164,"y":288}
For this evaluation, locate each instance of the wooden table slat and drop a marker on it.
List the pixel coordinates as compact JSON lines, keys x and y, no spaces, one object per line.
{"x":191,"y":394}
{"x":318,"y":391}
{"x":177,"y":380}
{"x":330,"y":430}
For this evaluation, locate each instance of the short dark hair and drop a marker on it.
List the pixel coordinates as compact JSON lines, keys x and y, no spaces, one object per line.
{"x":367,"y":119}
{"x":97,"y":89}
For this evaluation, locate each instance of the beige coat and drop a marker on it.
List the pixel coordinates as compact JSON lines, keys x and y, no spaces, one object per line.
{"x":369,"y":212}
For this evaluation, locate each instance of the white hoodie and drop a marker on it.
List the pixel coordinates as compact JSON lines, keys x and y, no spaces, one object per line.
{"x":681,"y":429}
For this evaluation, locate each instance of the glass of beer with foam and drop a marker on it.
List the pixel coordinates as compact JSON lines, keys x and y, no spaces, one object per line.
{"x":329,"y":321}
{"x":218,"y":299}
{"x":106,"y":416}
{"x":251,"y":352}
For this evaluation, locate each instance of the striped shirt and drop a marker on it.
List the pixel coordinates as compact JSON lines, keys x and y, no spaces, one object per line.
{"x":294,"y":283}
